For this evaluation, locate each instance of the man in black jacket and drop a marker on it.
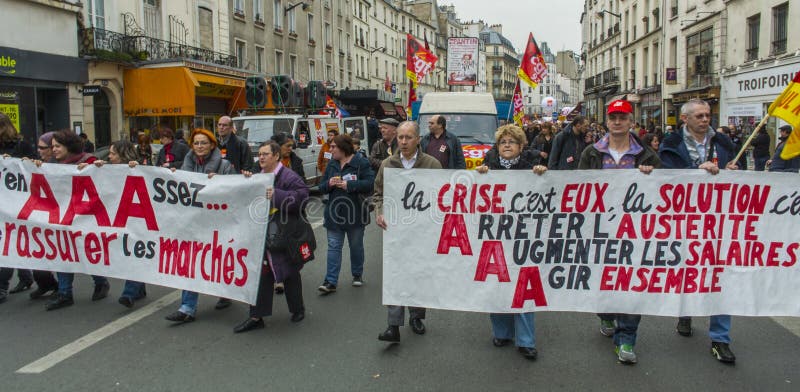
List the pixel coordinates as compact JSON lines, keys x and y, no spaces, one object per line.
{"x":568,"y":145}
{"x":760,"y":145}
{"x":233,"y":148}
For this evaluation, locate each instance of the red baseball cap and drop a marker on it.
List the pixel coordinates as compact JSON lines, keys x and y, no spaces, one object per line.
{"x":620,"y":106}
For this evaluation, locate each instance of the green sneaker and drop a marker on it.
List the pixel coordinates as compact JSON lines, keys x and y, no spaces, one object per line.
{"x":607,"y":328}
{"x":625,"y":353}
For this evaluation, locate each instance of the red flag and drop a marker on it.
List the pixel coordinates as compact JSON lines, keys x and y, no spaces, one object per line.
{"x":533,"y":69}
{"x":519,"y":111}
{"x":419,"y":60}
{"x":387,"y":84}
{"x":412,"y":96}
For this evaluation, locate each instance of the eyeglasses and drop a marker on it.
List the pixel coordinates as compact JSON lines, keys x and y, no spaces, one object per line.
{"x":508,"y":142}
{"x":43,"y":147}
{"x":201,"y":143}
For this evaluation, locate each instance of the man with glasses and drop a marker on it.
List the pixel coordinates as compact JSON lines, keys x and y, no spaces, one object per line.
{"x":443,"y":146}
{"x":233,"y":148}
{"x":697,"y":146}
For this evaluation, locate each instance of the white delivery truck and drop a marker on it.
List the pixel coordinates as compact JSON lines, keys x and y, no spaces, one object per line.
{"x":472,"y":117}
{"x":308,"y":131}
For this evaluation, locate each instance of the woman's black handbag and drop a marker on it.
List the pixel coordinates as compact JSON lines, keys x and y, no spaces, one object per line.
{"x":293,"y":235}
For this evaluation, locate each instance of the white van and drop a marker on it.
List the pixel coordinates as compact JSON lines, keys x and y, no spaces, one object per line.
{"x":308,"y":131}
{"x":472,"y":117}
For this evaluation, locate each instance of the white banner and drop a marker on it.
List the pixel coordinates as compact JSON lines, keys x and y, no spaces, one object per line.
{"x":676,"y":242}
{"x":180,"y":229}
{"x":462,"y":61}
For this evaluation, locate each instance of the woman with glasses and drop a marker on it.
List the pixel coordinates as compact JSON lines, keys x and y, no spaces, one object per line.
{"x":288,"y":157}
{"x":287,"y":198}
{"x":509,"y":140}
{"x":204,"y":157}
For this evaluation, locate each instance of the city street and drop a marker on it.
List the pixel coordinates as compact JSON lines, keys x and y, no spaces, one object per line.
{"x":335,"y":347}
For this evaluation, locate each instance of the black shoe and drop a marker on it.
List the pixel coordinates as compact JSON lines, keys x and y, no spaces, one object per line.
{"x":358,"y":281}
{"x":100,"y":291}
{"x":126,"y":302}
{"x":21,"y":286}
{"x":723,"y":353}
{"x":179,"y":317}
{"x":684,"y":327}
{"x":42,"y":291}
{"x":142,"y":294}
{"x":417,"y":326}
{"x":249,"y":325}
{"x":279,"y":288}
{"x":500,"y":342}
{"x":222,"y":303}
{"x":60,"y":301}
{"x":327,"y":287}
{"x":298,"y":317}
{"x":391,"y":334}
{"x":528,"y":352}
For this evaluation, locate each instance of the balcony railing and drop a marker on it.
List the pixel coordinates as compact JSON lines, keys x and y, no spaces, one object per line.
{"x":611,"y":76}
{"x":702,"y":80}
{"x":109,"y":45}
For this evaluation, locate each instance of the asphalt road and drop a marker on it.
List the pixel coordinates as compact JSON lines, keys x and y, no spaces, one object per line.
{"x":336,"y":348}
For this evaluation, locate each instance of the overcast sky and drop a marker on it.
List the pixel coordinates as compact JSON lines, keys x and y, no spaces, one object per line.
{"x":556,"y":22}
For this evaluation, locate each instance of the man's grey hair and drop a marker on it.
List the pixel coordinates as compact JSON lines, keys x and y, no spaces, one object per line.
{"x":688,"y":107}
{"x":413,"y":124}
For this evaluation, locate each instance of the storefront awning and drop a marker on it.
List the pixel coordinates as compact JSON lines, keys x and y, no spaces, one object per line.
{"x":166,"y":91}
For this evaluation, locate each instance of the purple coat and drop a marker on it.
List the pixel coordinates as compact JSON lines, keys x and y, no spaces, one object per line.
{"x":289,"y":196}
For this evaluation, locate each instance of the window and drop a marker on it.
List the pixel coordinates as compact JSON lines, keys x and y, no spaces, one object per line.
{"x":258,"y":10}
{"x":97,"y":15}
{"x":238,"y":7}
{"x":311,"y":27}
{"x":312,"y":70}
{"x":277,"y":15}
{"x":699,"y":49}
{"x":328,"y":72}
{"x":259,"y":59}
{"x":779,"y":15}
{"x":291,"y":22}
{"x":328,"y":38}
{"x":278,"y":62}
{"x":240,"y":53}
{"x":753,"y":26}
{"x":292,"y":66}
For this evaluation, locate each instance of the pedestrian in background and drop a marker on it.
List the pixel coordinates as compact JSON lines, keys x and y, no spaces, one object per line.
{"x":386,"y":146}
{"x":144,"y":150}
{"x":171,"y":154}
{"x":88,"y":146}
{"x":760,"y":145}
{"x":233,"y":148}
{"x":348,"y":182}
{"x":568,"y":145}
{"x":510,"y":140}
{"x":287,"y":199}
{"x":777,"y":164}
{"x":652,"y":140}
{"x":443,"y":145}
{"x":325,"y":152}
{"x":288,"y":157}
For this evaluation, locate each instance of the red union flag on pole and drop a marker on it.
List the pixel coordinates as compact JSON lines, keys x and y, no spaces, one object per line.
{"x":419,"y":60}
{"x":533,"y":69}
{"x":519,"y":111}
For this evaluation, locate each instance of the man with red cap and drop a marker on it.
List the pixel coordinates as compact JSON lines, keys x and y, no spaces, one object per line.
{"x":620,"y":149}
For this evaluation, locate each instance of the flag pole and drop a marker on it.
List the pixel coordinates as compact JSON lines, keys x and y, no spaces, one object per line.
{"x":511,"y":106}
{"x":749,"y":139}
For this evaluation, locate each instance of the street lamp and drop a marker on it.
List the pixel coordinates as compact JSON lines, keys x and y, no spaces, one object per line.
{"x":293,"y":6}
{"x":600,"y":13}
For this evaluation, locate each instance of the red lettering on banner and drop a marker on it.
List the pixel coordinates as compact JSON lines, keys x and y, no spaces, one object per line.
{"x":82,"y":185}
{"x":529,"y":287}
{"x":241,"y":255}
{"x":454,"y":234}
{"x":177,"y":257}
{"x":693,"y":198}
{"x":135,"y":186}
{"x":492,"y":260}
{"x":626,"y":229}
{"x":675,"y":280}
{"x":473,"y":199}
{"x":38,"y":202}
{"x":583,"y":195}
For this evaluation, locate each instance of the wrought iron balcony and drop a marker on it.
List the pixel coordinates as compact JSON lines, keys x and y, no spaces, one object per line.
{"x":611,"y":76}
{"x":702,"y":80}
{"x":113,"y":46}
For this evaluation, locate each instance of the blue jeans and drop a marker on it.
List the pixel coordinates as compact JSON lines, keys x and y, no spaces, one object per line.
{"x":760,"y":163}
{"x":627,"y":326}
{"x":65,"y":282}
{"x":519,"y":326}
{"x":355,"y":236}
{"x":719,"y":328}
{"x":189,"y":302}
{"x":133,"y":290}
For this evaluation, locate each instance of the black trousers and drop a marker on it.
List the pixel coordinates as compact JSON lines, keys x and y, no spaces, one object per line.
{"x":42,"y":278}
{"x":293,"y":290}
